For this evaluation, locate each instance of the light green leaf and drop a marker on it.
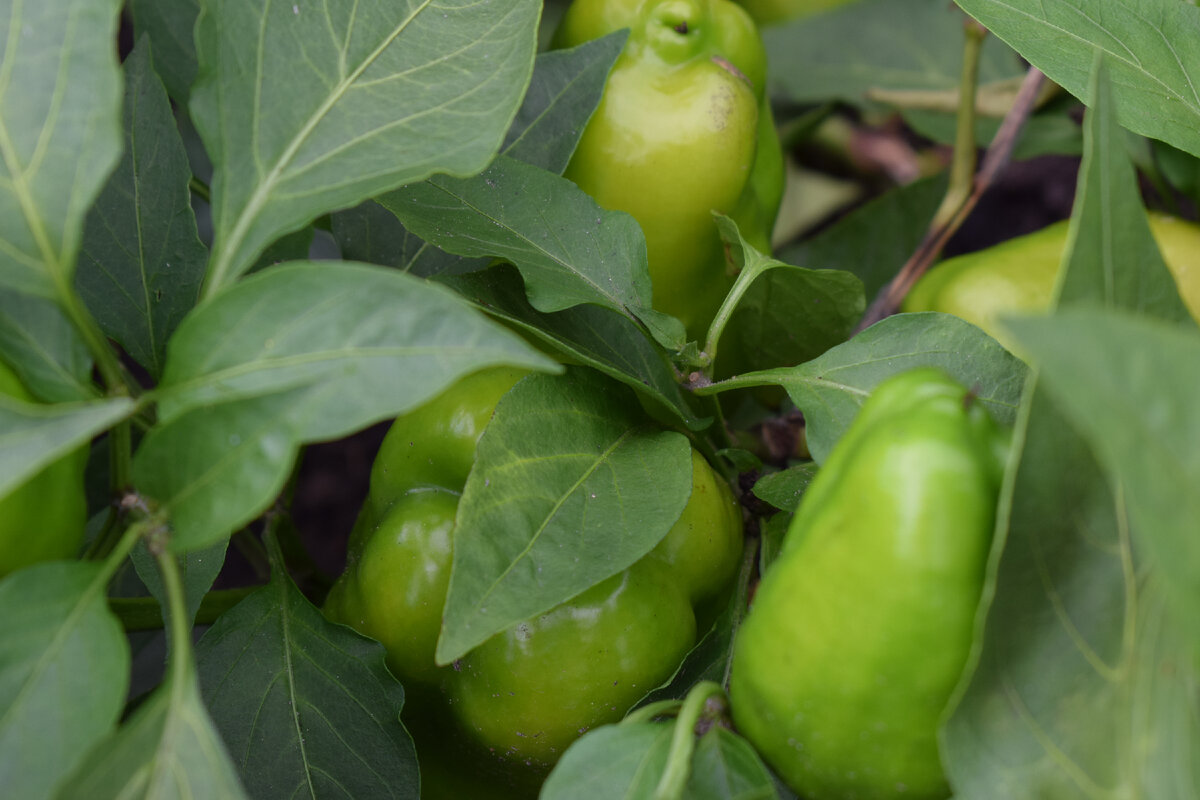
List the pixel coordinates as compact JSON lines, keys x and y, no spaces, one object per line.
{"x":60,"y":132}
{"x":307,"y":707}
{"x":41,"y":345}
{"x":305,"y":107}
{"x":570,"y":486}
{"x":1152,"y":46}
{"x":142,"y":261}
{"x":613,"y":762}
{"x":167,"y":750}
{"x":33,"y":435}
{"x":569,"y":250}
{"x":64,"y":671}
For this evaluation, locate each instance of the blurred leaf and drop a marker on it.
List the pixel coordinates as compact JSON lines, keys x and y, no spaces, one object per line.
{"x":1086,"y":676}
{"x":789,"y":314}
{"x":726,"y":767}
{"x":874,"y":241}
{"x":167,"y":750}
{"x":612,"y":762}
{"x":298,"y":353}
{"x":588,"y":334}
{"x":1043,"y":134}
{"x":1152,"y":46}
{"x":1180,"y":168}
{"x":568,"y":249}
{"x":169,"y":25}
{"x":61,"y":130}
{"x":32,"y":435}
{"x":306,"y":706}
{"x":830,"y":389}
{"x":64,"y":670}
{"x":305,"y":109}
{"x":198,"y":570}
{"x":41,"y":345}
{"x":293,"y":246}
{"x":785,"y":489}
{"x":142,"y":261}
{"x":876,"y":44}
{"x":570,"y":486}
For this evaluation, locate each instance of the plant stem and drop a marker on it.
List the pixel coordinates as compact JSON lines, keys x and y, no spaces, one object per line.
{"x":145,"y":614}
{"x":648,"y":712}
{"x":179,"y":629}
{"x":962,"y":169}
{"x":683,"y":741}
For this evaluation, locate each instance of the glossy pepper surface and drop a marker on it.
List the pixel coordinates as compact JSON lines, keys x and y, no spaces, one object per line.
{"x":1019,"y":275}
{"x":683,"y":129}
{"x":861,"y":627}
{"x":528,"y":692}
{"x":43,"y":518}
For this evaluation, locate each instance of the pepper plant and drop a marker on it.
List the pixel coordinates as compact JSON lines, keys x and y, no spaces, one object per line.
{"x":234,"y":229}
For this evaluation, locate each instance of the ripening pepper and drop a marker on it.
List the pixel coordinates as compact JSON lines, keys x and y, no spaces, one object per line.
{"x":528,"y":692}
{"x":684,"y":129}
{"x":862,"y":625}
{"x":1018,"y":276}
{"x":43,"y":518}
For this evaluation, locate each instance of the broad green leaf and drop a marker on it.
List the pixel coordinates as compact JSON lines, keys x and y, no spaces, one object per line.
{"x":587,"y":334}
{"x":382,"y":340}
{"x":307,"y":108}
{"x":830,"y":389}
{"x":142,"y":261}
{"x":1152,"y":47}
{"x":1128,"y":385}
{"x":169,"y":25}
{"x":370,"y":233}
{"x":725,"y":767}
{"x":167,"y":750}
{"x":306,"y":707}
{"x":789,"y":314}
{"x":294,"y":246}
{"x":60,"y":133}
{"x":570,"y":486}
{"x":1086,"y":677}
{"x":198,"y":569}
{"x":785,"y":489}
{"x":569,"y":250}
{"x":41,"y":345}
{"x":32,"y":435}
{"x":565,"y":90}
{"x":874,"y":241}
{"x":64,"y":670}
{"x":876,"y":44}
{"x":613,"y":762}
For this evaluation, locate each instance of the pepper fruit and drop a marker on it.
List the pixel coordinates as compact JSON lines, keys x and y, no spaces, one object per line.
{"x":684,"y":128}
{"x":1019,"y":275}
{"x":528,"y":692}
{"x":861,"y":627}
{"x":43,"y":518}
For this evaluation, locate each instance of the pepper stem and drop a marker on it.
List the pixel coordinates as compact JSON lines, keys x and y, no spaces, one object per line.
{"x":683,"y":741}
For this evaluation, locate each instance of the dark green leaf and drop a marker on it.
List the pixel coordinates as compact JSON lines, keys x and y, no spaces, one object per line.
{"x":370,"y":233}
{"x":784,"y":490}
{"x":142,"y":261}
{"x":60,"y":115}
{"x":198,"y":570}
{"x":306,"y":108}
{"x":42,"y":346}
{"x":568,"y":249}
{"x":876,"y":44}
{"x":1043,"y":134}
{"x":306,"y":707}
{"x":1152,"y":46}
{"x":294,"y":246}
{"x":169,"y":24}
{"x":569,"y":487}
{"x":64,"y":669}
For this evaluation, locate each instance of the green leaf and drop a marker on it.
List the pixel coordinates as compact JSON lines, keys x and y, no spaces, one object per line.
{"x":830,"y":389}
{"x":169,"y":25}
{"x":789,"y":314}
{"x":32,"y":435}
{"x":142,"y":260}
{"x":874,"y":241}
{"x":726,"y":767}
{"x":307,"y":108}
{"x":198,"y":570}
{"x":42,"y":346}
{"x":167,"y":750}
{"x":876,"y":44}
{"x":785,"y":489}
{"x":569,"y":250}
{"x":566,"y":88}
{"x":612,"y":762}
{"x":64,"y":670}
{"x":1152,"y":47}
{"x":306,"y":707}
{"x":60,"y":133}
{"x":301,"y":352}
{"x":1043,"y":134}
{"x":1086,"y":676}
{"x":586,"y":334}
{"x":1128,"y":385}
{"x":569,"y":487}
{"x":370,"y":233}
